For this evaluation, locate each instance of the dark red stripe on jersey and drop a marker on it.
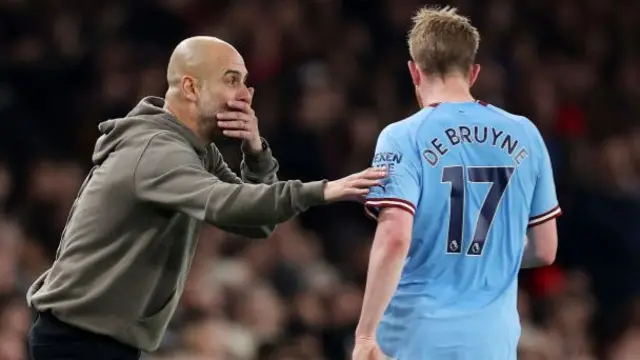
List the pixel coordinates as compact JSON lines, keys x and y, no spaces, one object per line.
{"x":372,"y":212}
{"x":392,"y":200}
{"x":547,"y":216}
{"x":372,"y":206}
{"x":555,"y":208}
{"x":545,"y":220}
{"x":435,"y":104}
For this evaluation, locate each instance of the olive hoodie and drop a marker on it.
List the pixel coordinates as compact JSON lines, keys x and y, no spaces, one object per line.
{"x":131,"y":234}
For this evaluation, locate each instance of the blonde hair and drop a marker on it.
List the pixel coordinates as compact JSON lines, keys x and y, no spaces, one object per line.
{"x":442,"y":41}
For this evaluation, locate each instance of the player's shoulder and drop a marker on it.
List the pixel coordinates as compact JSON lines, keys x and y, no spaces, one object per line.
{"x":408,"y":127}
{"x":502,"y":113}
{"x":521,"y":122}
{"x":516,"y":119}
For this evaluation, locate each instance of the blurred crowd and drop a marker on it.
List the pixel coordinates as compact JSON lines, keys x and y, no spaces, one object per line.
{"x":329,"y":75}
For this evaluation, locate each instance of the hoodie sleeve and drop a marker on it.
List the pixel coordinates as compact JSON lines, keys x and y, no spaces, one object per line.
{"x":261,"y":168}
{"x":170,"y":174}
{"x":255,"y":169}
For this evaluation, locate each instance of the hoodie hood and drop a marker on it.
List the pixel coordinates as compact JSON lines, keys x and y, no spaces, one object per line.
{"x":148,"y":117}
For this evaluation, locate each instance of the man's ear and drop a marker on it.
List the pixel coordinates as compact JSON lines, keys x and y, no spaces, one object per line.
{"x":414,"y":71}
{"x":188,"y":88}
{"x":473,"y":76}
{"x":416,"y":78}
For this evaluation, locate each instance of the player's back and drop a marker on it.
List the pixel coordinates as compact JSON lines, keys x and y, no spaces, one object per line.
{"x":477,"y":172}
{"x":478,"y":177}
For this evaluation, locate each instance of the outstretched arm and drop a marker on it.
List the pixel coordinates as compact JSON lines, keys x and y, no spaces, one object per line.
{"x":169,"y":174}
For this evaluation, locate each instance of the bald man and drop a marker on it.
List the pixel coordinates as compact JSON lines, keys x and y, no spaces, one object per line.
{"x":131,"y":234}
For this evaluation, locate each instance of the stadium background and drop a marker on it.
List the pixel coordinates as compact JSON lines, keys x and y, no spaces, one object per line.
{"x":329,"y":75}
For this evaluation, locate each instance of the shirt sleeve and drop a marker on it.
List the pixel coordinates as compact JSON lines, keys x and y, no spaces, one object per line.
{"x":401,"y":189}
{"x":170,"y":174}
{"x":544,"y":204}
{"x":259,"y":168}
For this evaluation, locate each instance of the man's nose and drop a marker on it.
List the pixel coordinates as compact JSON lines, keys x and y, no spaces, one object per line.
{"x":244,"y":95}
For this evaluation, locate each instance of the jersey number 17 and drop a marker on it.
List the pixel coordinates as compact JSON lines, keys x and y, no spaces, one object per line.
{"x":498,"y":178}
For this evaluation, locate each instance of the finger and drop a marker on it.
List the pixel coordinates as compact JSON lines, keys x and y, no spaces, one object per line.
{"x":374,"y":173}
{"x":359,"y":191}
{"x":360,"y":355}
{"x":360,"y":183}
{"x":233,"y":125}
{"x":374,"y":170}
{"x":377,"y":354}
{"x":234,"y":115}
{"x":238,"y":134}
{"x":243,"y":106}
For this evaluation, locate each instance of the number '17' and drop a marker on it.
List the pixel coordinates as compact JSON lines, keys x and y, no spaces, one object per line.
{"x":498,"y":178}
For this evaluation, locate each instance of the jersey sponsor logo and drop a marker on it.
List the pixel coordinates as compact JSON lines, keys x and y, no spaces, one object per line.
{"x":387,"y":158}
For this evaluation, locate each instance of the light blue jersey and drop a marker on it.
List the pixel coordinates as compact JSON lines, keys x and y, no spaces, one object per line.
{"x":475,"y":177}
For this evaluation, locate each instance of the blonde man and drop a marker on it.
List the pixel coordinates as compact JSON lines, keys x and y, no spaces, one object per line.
{"x":468,"y":183}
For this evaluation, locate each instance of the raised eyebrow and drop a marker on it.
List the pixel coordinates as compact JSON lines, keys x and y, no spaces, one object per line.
{"x":236,"y":72}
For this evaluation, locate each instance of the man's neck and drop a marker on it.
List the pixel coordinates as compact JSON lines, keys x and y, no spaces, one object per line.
{"x":183,"y":117}
{"x":448,"y":90}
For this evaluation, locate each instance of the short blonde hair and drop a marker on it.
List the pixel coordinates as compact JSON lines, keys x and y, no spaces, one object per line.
{"x":442,"y":41}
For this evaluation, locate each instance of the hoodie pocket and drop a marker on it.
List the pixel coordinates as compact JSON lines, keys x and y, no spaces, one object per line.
{"x":147,"y":332}
{"x":158,"y":314}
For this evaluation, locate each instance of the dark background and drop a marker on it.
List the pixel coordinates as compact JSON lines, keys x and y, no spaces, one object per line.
{"x":329,"y":76}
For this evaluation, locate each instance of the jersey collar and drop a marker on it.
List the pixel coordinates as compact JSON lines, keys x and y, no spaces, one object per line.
{"x":435,"y":104}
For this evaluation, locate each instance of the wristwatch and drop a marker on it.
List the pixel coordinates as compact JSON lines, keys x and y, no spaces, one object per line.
{"x":265,"y":145}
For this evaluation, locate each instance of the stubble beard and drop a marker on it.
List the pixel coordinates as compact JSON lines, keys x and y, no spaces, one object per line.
{"x":207,"y":122}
